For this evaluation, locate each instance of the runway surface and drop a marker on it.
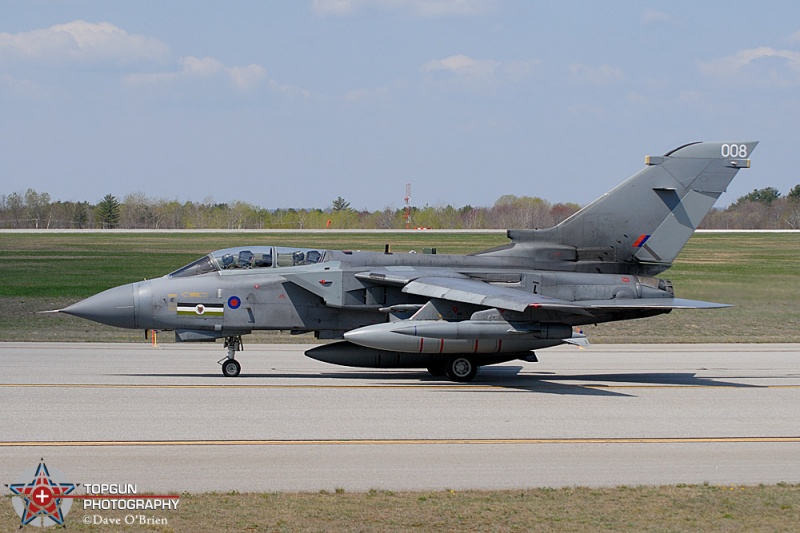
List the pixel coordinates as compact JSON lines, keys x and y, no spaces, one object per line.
{"x":166,"y":419}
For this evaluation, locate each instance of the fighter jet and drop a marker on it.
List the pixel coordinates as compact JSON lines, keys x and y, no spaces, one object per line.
{"x":448,"y":314}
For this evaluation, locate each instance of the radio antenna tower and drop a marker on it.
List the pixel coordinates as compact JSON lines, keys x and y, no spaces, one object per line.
{"x":408,"y":206}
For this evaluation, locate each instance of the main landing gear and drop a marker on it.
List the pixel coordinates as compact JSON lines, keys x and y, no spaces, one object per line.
{"x":459,"y":368}
{"x":230,"y":366}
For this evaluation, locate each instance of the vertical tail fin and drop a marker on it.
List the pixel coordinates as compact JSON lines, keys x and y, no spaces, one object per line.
{"x":648,"y":219}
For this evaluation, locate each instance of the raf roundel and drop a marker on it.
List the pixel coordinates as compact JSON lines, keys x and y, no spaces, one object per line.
{"x":234,"y":302}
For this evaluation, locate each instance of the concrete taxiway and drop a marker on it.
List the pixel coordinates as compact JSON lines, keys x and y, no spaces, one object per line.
{"x":166,"y":419}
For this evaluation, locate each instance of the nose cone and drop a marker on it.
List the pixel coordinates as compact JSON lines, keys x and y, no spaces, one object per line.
{"x":114,"y":307}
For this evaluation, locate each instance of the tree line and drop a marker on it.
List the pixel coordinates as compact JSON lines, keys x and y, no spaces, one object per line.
{"x":761,"y":209}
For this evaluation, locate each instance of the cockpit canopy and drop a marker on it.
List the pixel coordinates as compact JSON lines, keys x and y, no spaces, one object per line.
{"x":250,"y":257}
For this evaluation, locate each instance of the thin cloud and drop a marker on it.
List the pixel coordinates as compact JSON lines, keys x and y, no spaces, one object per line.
{"x":785,"y":72}
{"x":290,"y":90}
{"x":687,"y":98}
{"x":652,"y":16}
{"x":358,"y":95}
{"x":80,"y":42}
{"x":333,"y":7}
{"x":465,"y":68}
{"x":462,"y":65}
{"x":193,"y":68}
{"x":518,"y":70}
{"x":22,"y":88}
{"x":690,"y":97}
{"x":423,"y":8}
{"x":599,"y":75}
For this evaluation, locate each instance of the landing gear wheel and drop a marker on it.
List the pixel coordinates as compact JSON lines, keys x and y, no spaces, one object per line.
{"x":231,"y":368}
{"x":438,"y":369}
{"x":461,"y":369}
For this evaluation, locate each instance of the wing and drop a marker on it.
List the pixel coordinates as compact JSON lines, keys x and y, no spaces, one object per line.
{"x":477,"y":292}
{"x":460,"y":288}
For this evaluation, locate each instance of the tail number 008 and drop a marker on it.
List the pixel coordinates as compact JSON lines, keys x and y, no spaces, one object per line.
{"x":734,"y":150}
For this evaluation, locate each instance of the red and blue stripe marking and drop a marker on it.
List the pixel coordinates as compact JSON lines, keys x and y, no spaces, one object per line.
{"x":641,"y":240}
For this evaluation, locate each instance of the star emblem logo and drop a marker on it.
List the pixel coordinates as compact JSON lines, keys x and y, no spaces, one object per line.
{"x":39,"y":502}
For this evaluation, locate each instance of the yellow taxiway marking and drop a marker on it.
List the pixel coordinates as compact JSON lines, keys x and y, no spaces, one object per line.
{"x":511,"y":386}
{"x":375,"y":442}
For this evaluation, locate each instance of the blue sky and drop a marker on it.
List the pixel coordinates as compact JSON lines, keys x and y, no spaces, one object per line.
{"x":293,"y":103}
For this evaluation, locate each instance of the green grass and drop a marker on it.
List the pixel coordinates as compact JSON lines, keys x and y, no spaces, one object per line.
{"x":663,"y":509}
{"x":758,"y":273}
{"x":78,"y":265}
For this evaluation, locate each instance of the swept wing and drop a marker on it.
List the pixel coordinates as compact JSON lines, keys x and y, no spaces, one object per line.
{"x":468,"y":290}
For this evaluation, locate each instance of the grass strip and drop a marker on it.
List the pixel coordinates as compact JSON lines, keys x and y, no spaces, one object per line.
{"x":770,"y":508}
{"x":758,"y":273}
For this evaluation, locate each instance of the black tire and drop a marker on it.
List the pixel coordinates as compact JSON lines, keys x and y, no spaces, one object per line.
{"x":231,"y":368}
{"x":461,"y":368}
{"x":438,"y":369}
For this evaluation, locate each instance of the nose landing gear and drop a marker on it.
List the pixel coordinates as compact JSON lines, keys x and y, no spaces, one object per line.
{"x":230,"y":366}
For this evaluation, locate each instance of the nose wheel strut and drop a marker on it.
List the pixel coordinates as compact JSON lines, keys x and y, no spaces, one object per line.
{"x":230,"y":366}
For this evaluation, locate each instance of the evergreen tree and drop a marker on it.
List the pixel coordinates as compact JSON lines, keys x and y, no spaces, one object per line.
{"x":107,"y":212}
{"x":340,"y":204}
